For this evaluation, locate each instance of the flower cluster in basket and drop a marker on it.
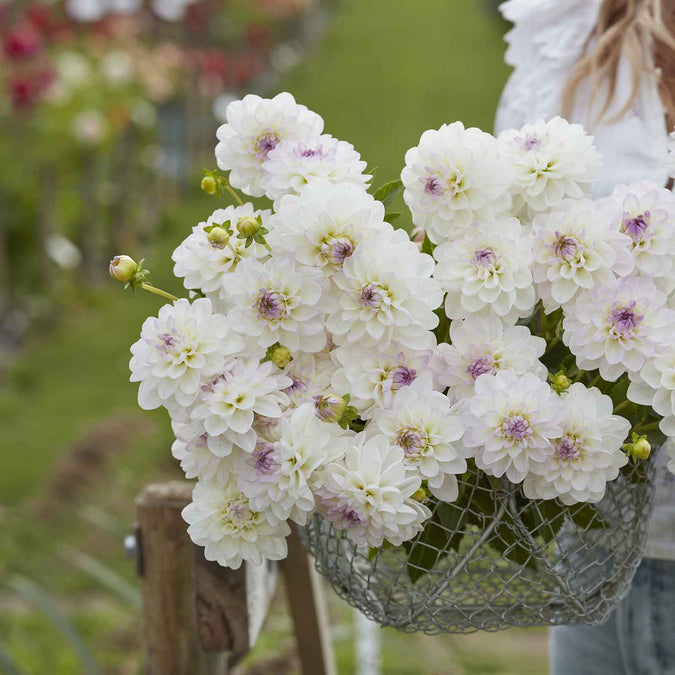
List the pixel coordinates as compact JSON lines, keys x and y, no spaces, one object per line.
{"x":329,"y":364}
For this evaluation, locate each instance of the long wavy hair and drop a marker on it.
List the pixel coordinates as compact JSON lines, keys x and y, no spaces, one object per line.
{"x":643,"y":31}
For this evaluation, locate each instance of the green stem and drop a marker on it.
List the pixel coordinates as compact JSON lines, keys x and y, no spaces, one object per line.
{"x":580,"y":376}
{"x":647,"y":427}
{"x":157,"y":291}
{"x":621,"y":406}
{"x":235,"y":196}
{"x":595,"y":380}
{"x":234,"y":251}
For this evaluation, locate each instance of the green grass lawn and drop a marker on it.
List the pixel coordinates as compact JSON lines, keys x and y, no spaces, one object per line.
{"x":386,"y":71}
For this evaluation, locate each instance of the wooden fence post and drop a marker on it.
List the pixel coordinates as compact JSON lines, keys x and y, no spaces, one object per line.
{"x":307,"y":600}
{"x":170,"y":640}
{"x":200,"y":618}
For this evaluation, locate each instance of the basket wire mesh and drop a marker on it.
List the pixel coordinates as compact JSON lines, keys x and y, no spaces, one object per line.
{"x":495,"y":559}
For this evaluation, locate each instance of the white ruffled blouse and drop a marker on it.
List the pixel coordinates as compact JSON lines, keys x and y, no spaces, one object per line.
{"x":544,"y":44}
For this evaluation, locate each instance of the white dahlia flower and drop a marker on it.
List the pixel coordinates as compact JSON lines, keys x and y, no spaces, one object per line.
{"x":487,"y":271}
{"x":511,"y":420}
{"x":310,"y":375}
{"x":221,"y":520}
{"x":550,"y":161}
{"x":618,"y":327}
{"x":205,"y":262}
{"x":180,"y":349}
{"x":280,"y":476}
{"x":645,"y":213}
{"x":454,"y":177}
{"x":423,"y":425}
{"x":386,"y":293}
{"x":654,"y":386}
{"x":480,"y":345}
{"x":372,"y":376}
{"x":201,"y":456}
{"x":294,"y":163}
{"x":368,"y":494}
{"x":576,"y":249}
{"x":229,"y":402}
{"x":279,"y":301}
{"x":587,"y":454}
{"x":254,"y":127}
{"x":323,"y":226}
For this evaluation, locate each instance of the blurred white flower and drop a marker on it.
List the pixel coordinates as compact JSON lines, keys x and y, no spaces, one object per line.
{"x":454,"y":177}
{"x":587,"y":454}
{"x":487,"y":271}
{"x":89,"y":127}
{"x":254,"y":127}
{"x":482,"y":345}
{"x":550,"y":161}
{"x":117,"y":67}
{"x":221,"y":520}
{"x":511,"y":420}
{"x":63,"y":252}
{"x":368,"y":494}
{"x":618,"y":327}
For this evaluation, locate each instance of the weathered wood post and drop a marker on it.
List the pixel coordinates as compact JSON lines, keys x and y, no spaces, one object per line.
{"x":165,"y":554}
{"x":200,"y":618}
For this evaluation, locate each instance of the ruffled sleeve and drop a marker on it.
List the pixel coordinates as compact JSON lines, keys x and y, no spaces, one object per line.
{"x":545,"y":42}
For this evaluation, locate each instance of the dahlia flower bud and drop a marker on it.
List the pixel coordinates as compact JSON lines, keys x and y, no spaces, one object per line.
{"x":419,"y":495}
{"x":330,"y":407}
{"x":248,"y":226}
{"x":560,"y":382}
{"x":638,"y":448}
{"x":209,"y":185}
{"x":218,"y":237}
{"x":123,"y":268}
{"x":281,"y":356}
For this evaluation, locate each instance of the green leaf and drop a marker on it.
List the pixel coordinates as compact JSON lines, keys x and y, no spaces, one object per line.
{"x":453,"y":518}
{"x":8,"y":665}
{"x":426,"y":549}
{"x":427,"y":246}
{"x":587,"y":517}
{"x":392,"y":216}
{"x":103,"y":574}
{"x":388,"y":192}
{"x":36,"y":596}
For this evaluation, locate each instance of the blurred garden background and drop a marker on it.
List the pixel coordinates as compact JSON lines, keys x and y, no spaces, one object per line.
{"x":108,"y":114}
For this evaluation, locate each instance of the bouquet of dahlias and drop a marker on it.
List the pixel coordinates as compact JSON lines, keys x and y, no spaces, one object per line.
{"x":328,"y":368}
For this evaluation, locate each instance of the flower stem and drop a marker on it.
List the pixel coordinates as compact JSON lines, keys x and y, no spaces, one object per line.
{"x":157,"y":291}
{"x":621,"y":406}
{"x":647,"y":427}
{"x":234,"y":251}
{"x":235,"y":196}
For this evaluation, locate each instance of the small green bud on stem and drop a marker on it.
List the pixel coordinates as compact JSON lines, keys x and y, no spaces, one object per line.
{"x":123,"y":268}
{"x":281,"y":356}
{"x":209,"y":185}
{"x":419,"y":495}
{"x":638,"y":448}
{"x":560,"y":382}
{"x":248,"y":226}
{"x":218,"y":237}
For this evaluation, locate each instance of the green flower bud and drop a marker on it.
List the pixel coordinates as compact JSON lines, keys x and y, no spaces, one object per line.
{"x":209,"y":185}
{"x":638,"y":448}
{"x":248,"y":226}
{"x":218,"y":237}
{"x":123,"y":268}
{"x":329,"y":407}
{"x":560,"y":382}
{"x":281,"y":356}
{"x":420,"y":494}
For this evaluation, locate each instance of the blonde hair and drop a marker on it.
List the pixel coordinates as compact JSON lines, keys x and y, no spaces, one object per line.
{"x":643,"y":31}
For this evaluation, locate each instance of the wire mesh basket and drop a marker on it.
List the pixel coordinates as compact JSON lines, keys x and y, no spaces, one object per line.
{"x":495,"y":559}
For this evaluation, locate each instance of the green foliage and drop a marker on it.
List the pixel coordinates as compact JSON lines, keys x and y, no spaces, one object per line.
{"x":389,"y":191}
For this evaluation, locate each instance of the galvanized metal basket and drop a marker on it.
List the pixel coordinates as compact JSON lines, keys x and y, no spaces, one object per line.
{"x":496,"y":559}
